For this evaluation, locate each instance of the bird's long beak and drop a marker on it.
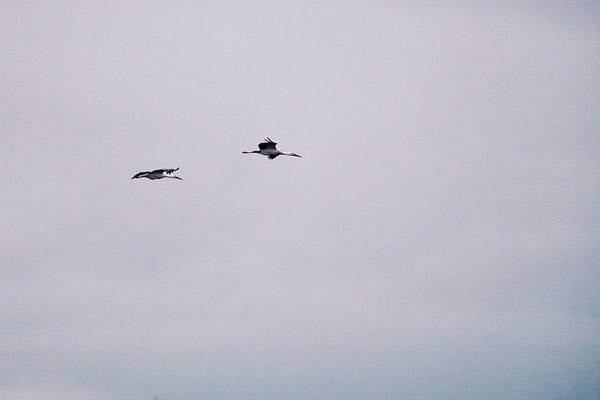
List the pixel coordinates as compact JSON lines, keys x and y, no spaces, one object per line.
{"x":296,"y":155}
{"x":179,"y":178}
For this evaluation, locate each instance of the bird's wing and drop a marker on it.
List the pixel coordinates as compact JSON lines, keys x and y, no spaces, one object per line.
{"x":170,"y":171}
{"x":267,"y":144}
{"x":164,"y":171}
{"x":139,"y":174}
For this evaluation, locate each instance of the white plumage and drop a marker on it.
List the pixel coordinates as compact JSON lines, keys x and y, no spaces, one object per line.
{"x":268,"y":148}
{"x":157,"y":174}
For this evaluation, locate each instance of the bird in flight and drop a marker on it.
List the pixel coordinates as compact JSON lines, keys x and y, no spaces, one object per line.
{"x":157,"y":174}
{"x":267,"y":148}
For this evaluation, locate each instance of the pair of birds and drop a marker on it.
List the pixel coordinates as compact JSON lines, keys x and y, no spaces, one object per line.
{"x":267,"y":148}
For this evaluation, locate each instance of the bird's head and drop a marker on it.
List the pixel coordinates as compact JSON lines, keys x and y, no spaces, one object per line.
{"x":295,"y":155}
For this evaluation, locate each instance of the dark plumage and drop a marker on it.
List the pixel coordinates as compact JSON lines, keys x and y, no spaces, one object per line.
{"x":269,"y":148}
{"x":158,"y":174}
{"x":267,"y":144}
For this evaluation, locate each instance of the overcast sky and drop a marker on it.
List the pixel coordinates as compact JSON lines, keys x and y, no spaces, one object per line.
{"x":439,"y":239}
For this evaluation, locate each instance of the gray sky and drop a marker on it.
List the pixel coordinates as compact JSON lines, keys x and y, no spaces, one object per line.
{"x":439,"y":239}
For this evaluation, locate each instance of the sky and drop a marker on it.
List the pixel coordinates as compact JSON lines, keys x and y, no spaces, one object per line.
{"x":439,"y":239}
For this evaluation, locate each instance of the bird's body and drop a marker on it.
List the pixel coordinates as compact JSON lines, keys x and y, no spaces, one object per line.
{"x":157,"y":174}
{"x":269,"y":148}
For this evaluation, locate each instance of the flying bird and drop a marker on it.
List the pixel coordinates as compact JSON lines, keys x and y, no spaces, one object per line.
{"x":267,"y":148}
{"x":157,"y":174}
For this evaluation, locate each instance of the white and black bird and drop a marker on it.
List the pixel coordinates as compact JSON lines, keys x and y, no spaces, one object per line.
{"x":268,"y":148}
{"x":158,"y":174}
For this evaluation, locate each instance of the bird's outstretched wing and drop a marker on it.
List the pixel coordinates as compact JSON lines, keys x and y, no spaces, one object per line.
{"x":267,"y":144}
{"x":171,"y":170}
{"x":167,"y":171}
{"x":141,"y":174}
